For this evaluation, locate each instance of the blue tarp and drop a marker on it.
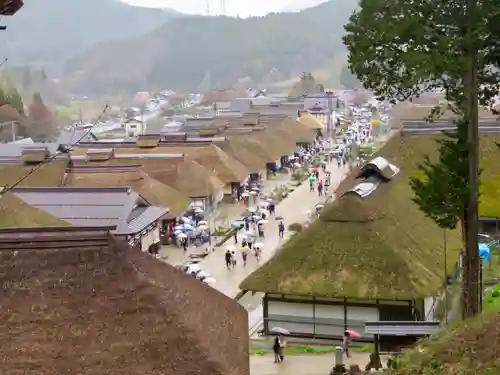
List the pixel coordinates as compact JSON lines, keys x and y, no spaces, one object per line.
{"x":484,"y":251}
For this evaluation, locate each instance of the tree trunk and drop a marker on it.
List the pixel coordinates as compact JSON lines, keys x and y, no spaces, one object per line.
{"x":471,"y":270}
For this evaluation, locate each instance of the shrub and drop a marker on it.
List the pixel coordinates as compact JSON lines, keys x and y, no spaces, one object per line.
{"x":295,"y":227}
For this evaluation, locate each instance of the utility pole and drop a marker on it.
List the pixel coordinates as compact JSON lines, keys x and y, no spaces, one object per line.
{"x":471,"y":262}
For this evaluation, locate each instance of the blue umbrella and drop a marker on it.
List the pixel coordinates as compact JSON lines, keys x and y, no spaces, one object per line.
{"x":484,"y":251}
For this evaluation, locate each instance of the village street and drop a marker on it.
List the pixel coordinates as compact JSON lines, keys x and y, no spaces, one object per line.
{"x":294,"y":209}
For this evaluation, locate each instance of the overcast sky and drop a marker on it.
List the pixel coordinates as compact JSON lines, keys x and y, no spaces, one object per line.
{"x":243,"y":8}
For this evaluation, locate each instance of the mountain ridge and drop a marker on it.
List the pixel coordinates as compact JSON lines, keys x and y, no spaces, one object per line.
{"x":181,"y":52}
{"x":49,"y":33}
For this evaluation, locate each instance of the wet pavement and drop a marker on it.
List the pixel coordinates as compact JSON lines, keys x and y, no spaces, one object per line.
{"x":306,"y":364}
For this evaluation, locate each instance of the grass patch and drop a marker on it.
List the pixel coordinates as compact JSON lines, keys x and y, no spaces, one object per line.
{"x":381,"y":246}
{"x":491,"y":301}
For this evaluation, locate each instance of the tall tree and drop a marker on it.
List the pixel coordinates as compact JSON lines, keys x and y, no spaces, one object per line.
{"x":14,"y":99}
{"x":400,"y":49}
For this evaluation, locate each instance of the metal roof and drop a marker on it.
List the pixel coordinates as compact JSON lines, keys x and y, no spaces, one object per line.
{"x":148,"y":216}
{"x":90,"y":206}
{"x":9,"y":150}
{"x":405,"y":328}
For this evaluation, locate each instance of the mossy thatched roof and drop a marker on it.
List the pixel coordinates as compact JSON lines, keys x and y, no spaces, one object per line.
{"x":381,"y":246}
{"x":470,"y":347}
{"x":311,"y":122}
{"x":50,"y":174}
{"x":14,"y":213}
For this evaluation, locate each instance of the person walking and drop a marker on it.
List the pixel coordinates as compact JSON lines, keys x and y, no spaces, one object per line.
{"x":244,"y":255}
{"x":228,"y":257}
{"x":345,"y":343}
{"x":276,"y":349}
{"x":281,"y":229}
{"x":320,"y":188}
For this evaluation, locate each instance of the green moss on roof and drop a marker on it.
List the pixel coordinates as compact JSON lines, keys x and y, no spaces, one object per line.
{"x":14,"y":213}
{"x":469,"y":347}
{"x":51,"y":174}
{"x":381,"y":246}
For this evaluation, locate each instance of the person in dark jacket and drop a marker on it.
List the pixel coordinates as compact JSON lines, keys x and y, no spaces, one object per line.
{"x":276,"y":350}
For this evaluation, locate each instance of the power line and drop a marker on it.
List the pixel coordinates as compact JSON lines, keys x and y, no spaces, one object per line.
{"x":62,"y":149}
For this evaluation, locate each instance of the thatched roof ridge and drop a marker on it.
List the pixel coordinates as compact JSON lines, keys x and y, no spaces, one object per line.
{"x":112,"y":309}
{"x":236,"y":146}
{"x":50,"y":174}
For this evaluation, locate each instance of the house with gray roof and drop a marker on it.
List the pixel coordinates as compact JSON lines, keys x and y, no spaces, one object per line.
{"x":134,"y":217}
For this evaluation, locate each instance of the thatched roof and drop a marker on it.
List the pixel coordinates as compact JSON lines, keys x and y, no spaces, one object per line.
{"x":471,"y":347}
{"x":295,"y":130}
{"x":83,"y":303}
{"x":14,"y":213}
{"x":137,"y":150}
{"x":152,"y":190}
{"x":236,"y":146}
{"x":50,"y":174}
{"x":311,"y":122}
{"x":272,"y":144}
{"x":226,"y":168}
{"x":380,"y":246}
{"x":188,"y":177}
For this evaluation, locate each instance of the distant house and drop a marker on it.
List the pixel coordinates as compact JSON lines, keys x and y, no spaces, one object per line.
{"x":80,"y":300}
{"x":134,"y":127}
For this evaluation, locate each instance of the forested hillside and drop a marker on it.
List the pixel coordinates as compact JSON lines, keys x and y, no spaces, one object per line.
{"x":187,"y":49}
{"x":51,"y":31}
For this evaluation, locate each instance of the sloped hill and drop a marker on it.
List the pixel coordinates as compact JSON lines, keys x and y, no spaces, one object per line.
{"x":49,"y":32}
{"x":180,"y":53}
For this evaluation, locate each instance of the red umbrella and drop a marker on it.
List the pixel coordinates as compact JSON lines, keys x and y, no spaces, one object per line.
{"x":353,"y":334}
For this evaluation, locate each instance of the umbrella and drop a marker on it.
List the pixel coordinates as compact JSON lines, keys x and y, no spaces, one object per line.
{"x":263,"y":221}
{"x":297,"y":165}
{"x":237,"y":224}
{"x":264,"y":204}
{"x":258,"y":245}
{"x":203,"y":274}
{"x":188,"y":227}
{"x":182,"y":235}
{"x":320,"y":205}
{"x":250,"y":233}
{"x":271,"y":202}
{"x":251,"y":209}
{"x":231,"y":248}
{"x":353,"y":334}
{"x":281,"y":331}
{"x":312,"y":179}
{"x":248,"y":213}
{"x":177,"y":232}
{"x":202,"y":227}
{"x":254,"y":193}
{"x":186,"y":220}
{"x":279,"y":218}
{"x":202,"y":222}
{"x":245,"y":194}
{"x":257,"y":217}
{"x":255,"y":189}
{"x":198,"y":210}
{"x":193,"y":268}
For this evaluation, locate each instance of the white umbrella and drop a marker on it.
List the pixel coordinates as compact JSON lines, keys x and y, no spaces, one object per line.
{"x":257,"y":217}
{"x":202,"y":227}
{"x":258,"y":245}
{"x":254,"y":193}
{"x":186,"y":219}
{"x":263,"y":221}
{"x":177,"y":232}
{"x":250,"y":233}
{"x":193,"y":268}
{"x":198,"y":210}
{"x":320,"y":205}
{"x":264,"y":204}
{"x":203,"y":274}
{"x":245,"y":194}
{"x":255,"y":189}
{"x":251,"y":209}
{"x":202,"y":222}
{"x":281,"y":331}
{"x":231,"y":248}
{"x":182,"y":235}
{"x":209,"y":281}
{"x":297,"y":165}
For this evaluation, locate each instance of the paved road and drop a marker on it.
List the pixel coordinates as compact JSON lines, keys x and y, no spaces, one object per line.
{"x":318,"y":364}
{"x":294,"y":209}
